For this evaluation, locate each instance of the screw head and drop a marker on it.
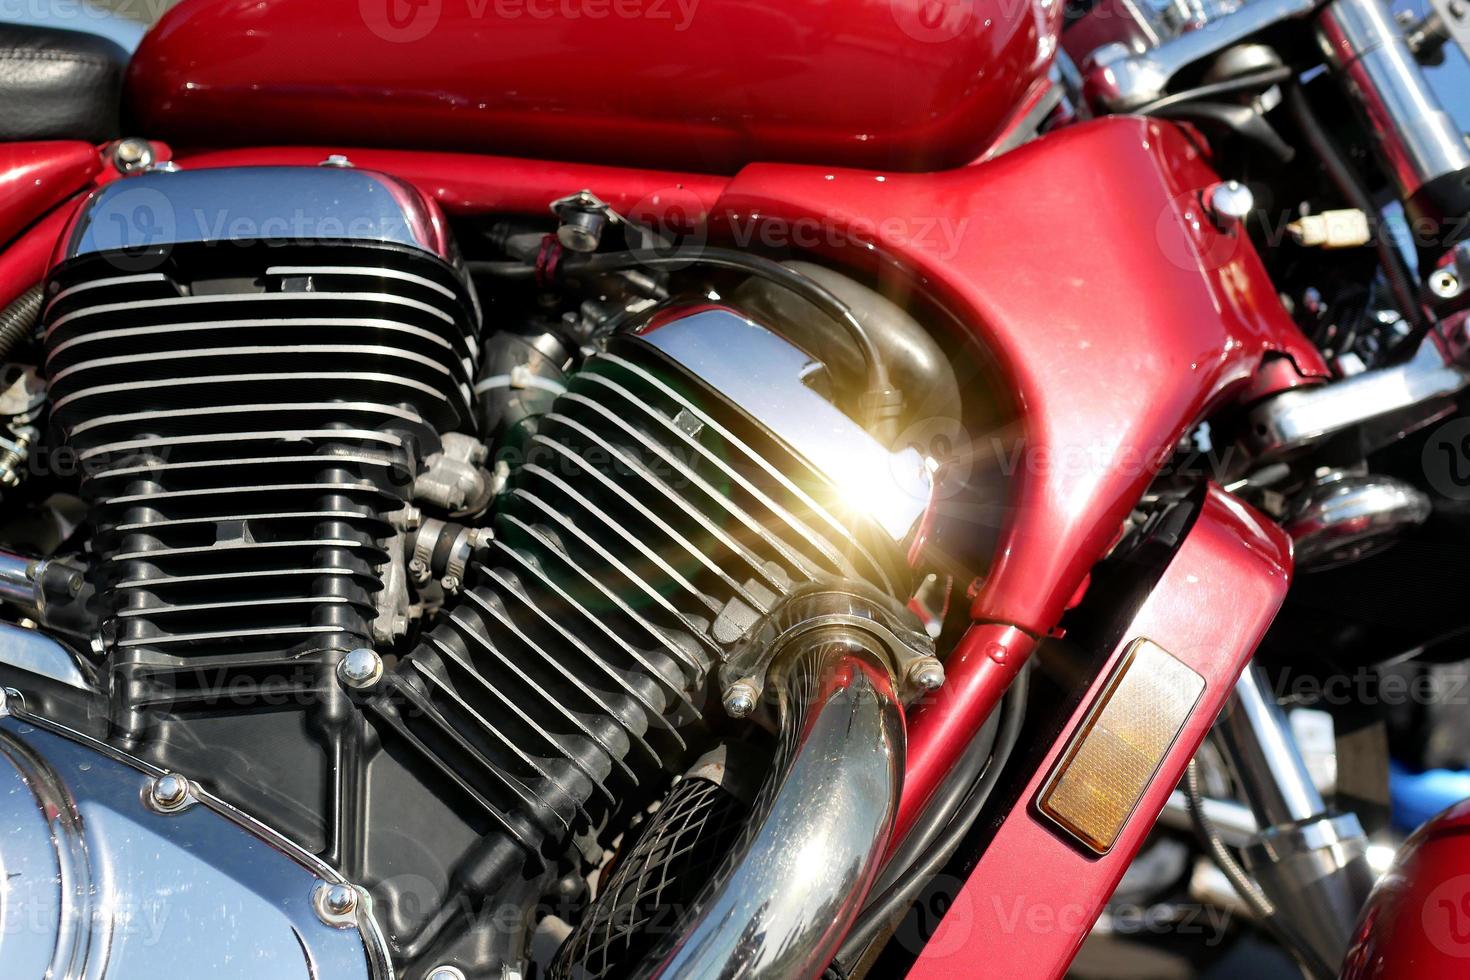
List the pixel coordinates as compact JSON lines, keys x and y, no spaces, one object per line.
{"x":927,"y":674}
{"x":739,"y":700}
{"x":336,"y":905}
{"x":336,"y":160}
{"x":169,"y":792}
{"x":132,"y":154}
{"x":1444,"y":283}
{"x":446,"y":972}
{"x":1230,"y":201}
{"x":361,"y":668}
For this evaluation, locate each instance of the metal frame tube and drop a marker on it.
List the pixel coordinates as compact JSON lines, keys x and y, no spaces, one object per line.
{"x":783,"y":902}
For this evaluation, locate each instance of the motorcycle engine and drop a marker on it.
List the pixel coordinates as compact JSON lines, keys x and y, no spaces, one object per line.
{"x":450,"y":667}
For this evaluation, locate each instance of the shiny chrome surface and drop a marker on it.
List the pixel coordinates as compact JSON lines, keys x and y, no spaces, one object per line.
{"x":1229,"y":202}
{"x":20,"y":578}
{"x":1317,"y":873}
{"x":766,"y":376}
{"x":1264,"y":751}
{"x":1312,"y":866}
{"x":1119,"y":79}
{"x":785,"y":899}
{"x":1345,"y":517}
{"x":1297,"y":417}
{"x":35,"y":652}
{"x":1417,"y":138}
{"x":333,"y":204}
{"x":98,"y":885}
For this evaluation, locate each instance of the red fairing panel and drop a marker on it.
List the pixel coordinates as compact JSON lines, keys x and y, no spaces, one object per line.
{"x":1033,"y":897}
{"x":35,"y":177}
{"x":1116,"y":309}
{"x":1417,"y":921}
{"x":702,"y":85}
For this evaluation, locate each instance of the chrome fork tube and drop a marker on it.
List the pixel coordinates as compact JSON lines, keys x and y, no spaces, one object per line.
{"x":1258,"y":738}
{"x":785,"y":899}
{"x":1418,"y":140}
{"x":1311,"y":864}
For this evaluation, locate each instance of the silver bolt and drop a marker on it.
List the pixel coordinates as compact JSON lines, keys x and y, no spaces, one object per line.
{"x":450,"y":583}
{"x":360,"y":668}
{"x":927,"y":673}
{"x":336,"y":905}
{"x":169,"y":792}
{"x":1230,"y":201}
{"x":1444,"y":283}
{"x":739,"y":700}
{"x":336,"y":160}
{"x":446,"y":972}
{"x":132,"y":154}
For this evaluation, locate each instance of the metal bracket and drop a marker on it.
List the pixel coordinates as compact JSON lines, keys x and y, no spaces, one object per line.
{"x":910,"y":654}
{"x":1455,"y":14}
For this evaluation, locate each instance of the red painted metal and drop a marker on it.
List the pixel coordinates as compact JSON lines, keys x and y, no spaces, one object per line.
{"x":1417,"y":921}
{"x":704,"y":85}
{"x":35,"y":177}
{"x":1117,"y":313}
{"x":977,"y":672}
{"x":1032,"y":898}
{"x":470,"y":184}
{"x":24,"y":262}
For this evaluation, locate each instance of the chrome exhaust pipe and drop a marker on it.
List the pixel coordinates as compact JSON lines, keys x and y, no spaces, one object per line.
{"x":786,"y":897}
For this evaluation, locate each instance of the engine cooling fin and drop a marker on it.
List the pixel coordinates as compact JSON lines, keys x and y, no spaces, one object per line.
{"x":647,"y":528}
{"x":250,"y":419}
{"x":245,"y":420}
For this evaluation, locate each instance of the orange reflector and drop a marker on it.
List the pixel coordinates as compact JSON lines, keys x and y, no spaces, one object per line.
{"x":1117,"y":750}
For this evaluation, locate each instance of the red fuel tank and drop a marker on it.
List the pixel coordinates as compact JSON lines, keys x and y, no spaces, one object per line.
{"x":700,"y":85}
{"x":1417,"y":922}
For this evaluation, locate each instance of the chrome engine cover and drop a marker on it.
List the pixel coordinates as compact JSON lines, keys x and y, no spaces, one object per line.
{"x":99,"y":883}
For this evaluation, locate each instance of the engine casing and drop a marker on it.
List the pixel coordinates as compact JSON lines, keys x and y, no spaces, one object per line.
{"x":254,"y":414}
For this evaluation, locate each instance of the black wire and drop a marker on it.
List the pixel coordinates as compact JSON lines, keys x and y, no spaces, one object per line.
{"x":508,"y":269}
{"x":1394,"y":268}
{"x":896,"y":899}
{"x":940,"y":810}
{"x":1265,"y":77}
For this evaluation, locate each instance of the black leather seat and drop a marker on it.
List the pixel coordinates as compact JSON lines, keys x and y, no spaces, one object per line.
{"x":57,"y":84}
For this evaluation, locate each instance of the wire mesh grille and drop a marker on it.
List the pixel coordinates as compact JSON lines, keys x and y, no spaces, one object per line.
{"x":650,"y":889}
